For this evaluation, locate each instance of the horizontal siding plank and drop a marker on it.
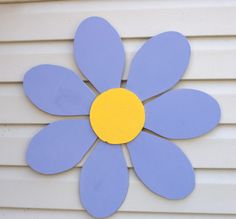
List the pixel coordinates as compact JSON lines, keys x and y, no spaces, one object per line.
{"x":59,"y":20}
{"x":17,"y":109}
{"x":42,"y":32}
{"x":214,"y":150}
{"x":212,"y":57}
{"x":14,"y":213}
{"x":20,"y":187}
{"x":24,"y":1}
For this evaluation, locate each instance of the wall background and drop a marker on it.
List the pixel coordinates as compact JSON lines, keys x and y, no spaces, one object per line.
{"x":41,"y":32}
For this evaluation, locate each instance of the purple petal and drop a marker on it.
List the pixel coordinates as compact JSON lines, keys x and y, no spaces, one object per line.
{"x":159,"y":64}
{"x":162,"y":166}
{"x":57,"y":90}
{"x":99,"y":53}
{"x":60,"y":146}
{"x":104,"y":180}
{"x":182,"y":113}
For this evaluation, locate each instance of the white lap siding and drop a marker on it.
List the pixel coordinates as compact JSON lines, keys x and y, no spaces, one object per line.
{"x":36,"y":32}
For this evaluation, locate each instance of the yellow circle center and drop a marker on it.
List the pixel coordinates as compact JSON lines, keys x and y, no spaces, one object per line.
{"x":117,"y":116}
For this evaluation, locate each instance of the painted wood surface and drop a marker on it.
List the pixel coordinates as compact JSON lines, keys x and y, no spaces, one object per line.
{"x":39,"y":32}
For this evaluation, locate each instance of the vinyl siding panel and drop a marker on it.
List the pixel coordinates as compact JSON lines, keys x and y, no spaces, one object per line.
{"x":36,"y":32}
{"x":134,"y":18}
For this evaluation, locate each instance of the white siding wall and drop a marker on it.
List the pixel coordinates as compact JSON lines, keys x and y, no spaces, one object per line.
{"x":41,"y":32}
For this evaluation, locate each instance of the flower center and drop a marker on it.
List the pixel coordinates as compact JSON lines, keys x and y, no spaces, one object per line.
{"x":117,"y":116}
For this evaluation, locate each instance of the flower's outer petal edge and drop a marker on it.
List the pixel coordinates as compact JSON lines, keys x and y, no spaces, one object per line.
{"x":57,"y":90}
{"x":162,"y":166}
{"x":104,"y":180}
{"x":182,"y":114}
{"x":60,"y":146}
{"x":159,"y":64}
{"x":99,"y":53}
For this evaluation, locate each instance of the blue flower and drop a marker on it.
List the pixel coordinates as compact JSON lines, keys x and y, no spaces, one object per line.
{"x":136,"y":116}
